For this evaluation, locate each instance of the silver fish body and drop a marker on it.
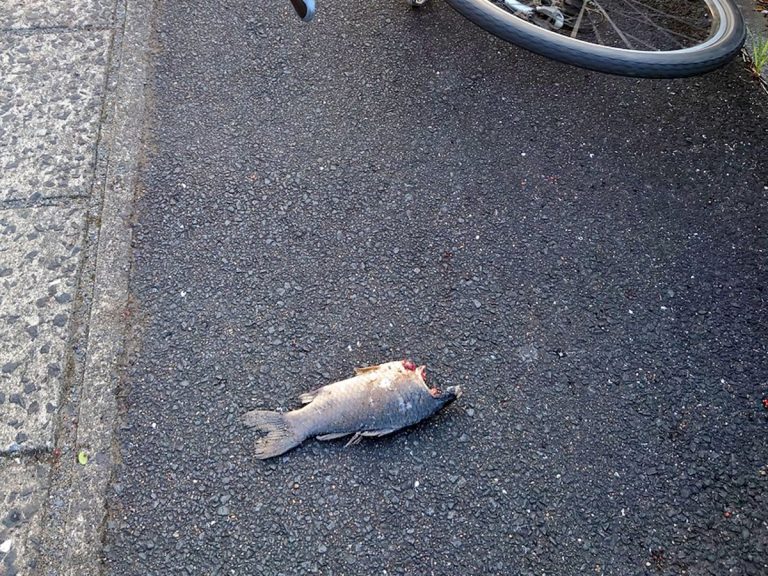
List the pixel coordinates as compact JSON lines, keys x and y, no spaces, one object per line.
{"x":378,"y":400}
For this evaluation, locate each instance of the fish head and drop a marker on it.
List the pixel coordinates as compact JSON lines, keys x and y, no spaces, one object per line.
{"x":420,"y":372}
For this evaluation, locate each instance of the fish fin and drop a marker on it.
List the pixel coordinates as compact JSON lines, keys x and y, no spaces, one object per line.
{"x":307,"y":397}
{"x":376,"y":433}
{"x":279,"y":435}
{"x":359,"y":435}
{"x":332,"y":436}
{"x":354,"y":440}
{"x":364,"y":369}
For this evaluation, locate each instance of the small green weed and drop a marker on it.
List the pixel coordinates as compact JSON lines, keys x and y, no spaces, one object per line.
{"x":759,"y":55}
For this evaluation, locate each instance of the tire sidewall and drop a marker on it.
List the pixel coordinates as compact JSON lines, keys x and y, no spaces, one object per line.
{"x":668,"y":64}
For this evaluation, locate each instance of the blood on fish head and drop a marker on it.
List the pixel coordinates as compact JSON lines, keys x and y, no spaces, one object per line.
{"x":410,"y":366}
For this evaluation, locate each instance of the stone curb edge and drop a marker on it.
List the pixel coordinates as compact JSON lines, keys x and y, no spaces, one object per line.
{"x":75,"y":511}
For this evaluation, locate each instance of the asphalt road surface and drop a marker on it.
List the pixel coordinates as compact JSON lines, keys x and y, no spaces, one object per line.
{"x":584,"y":254}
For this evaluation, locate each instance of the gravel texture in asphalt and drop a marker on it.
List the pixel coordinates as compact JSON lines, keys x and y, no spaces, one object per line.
{"x":585,"y":255}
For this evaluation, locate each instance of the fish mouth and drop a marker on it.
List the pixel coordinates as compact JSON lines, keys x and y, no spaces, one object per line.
{"x":449,"y":394}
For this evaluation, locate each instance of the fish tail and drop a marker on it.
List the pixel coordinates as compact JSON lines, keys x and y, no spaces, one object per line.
{"x":279,"y":435}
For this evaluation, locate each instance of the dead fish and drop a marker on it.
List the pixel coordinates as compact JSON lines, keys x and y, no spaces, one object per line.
{"x":378,"y":400}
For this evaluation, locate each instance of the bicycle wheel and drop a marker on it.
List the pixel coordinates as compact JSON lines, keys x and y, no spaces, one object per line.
{"x":645,"y":38}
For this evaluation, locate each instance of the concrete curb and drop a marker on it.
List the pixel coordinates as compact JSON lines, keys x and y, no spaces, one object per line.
{"x":75,"y":511}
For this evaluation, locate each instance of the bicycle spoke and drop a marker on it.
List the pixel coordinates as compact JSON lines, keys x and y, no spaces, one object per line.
{"x":671,"y":35}
{"x":643,"y":42}
{"x":690,"y":23}
{"x":578,"y":20}
{"x":595,"y":30}
{"x":613,"y":25}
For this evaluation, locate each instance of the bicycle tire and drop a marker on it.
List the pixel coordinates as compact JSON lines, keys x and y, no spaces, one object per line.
{"x":713,"y":53}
